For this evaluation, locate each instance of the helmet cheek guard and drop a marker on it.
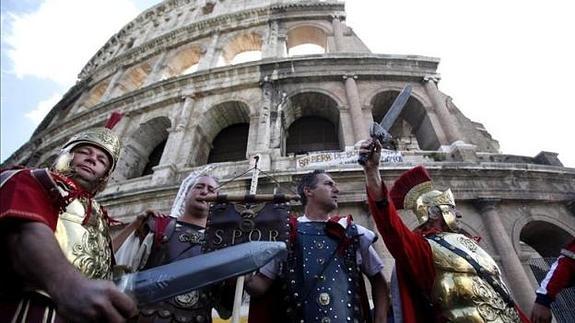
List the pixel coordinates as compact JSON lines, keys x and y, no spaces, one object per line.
{"x":414,"y":190}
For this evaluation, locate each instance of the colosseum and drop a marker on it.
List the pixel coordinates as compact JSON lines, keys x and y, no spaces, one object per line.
{"x":220,"y":82}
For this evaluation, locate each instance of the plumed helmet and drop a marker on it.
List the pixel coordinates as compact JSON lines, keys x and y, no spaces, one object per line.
{"x":102,"y":137}
{"x":414,"y":190}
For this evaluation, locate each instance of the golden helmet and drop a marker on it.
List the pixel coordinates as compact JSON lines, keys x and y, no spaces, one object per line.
{"x":414,"y":190}
{"x":102,"y":137}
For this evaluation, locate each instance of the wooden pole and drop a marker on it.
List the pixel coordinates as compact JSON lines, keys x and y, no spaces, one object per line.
{"x":240,"y":282}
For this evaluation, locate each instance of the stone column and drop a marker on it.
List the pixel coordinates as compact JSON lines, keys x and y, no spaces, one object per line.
{"x":209,"y":60}
{"x":253,"y":135}
{"x":156,"y":72}
{"x":360,"y":130}
{"x":112,"y":85}
{"x":515,"y":275}
{"x":338,"y":27}
{"x":167,"y":167}
{"x":264,"y":123}
{"x":281,"y":46}
{"x":269,"y":47}
{"x":346,"y":121}
{"x":277,"y":126}
{"x":448,"y":121}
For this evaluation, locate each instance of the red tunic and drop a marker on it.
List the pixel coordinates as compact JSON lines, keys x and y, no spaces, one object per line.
{"x":561,"y":275}
{"x":414,"y":263}
{"x":24,"y":198}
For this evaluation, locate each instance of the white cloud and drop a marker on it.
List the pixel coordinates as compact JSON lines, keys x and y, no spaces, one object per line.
{"x":57,"y":40}
{"x":43,"y":108}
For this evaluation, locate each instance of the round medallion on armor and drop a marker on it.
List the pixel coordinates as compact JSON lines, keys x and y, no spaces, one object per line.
{"x":148,"y":311}
{"x":323,"y":299}
{"x":187,"y":300}
{"x":191,"y":237}
{"x":182,"y":319}
{"x":164,"y":314}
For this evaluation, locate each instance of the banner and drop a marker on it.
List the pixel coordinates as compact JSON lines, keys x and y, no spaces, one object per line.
{"x":348,"y":157}
{"x":230,"y":224}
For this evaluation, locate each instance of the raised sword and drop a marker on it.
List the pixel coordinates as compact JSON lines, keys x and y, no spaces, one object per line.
{"x":380,"y":131}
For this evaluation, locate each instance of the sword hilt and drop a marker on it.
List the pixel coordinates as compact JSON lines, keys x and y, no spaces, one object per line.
{"x":364,"y":157}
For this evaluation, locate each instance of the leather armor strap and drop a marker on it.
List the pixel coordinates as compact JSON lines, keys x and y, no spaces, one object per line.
{"x":43,"y":177}
{"x":481,"y":272}
{"x":6,"y":175}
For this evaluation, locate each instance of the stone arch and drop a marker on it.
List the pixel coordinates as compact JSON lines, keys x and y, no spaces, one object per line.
{"x":302,"y":110}
{"x":143,"y":147}
{"x":244,"y":47}
{"x":133,"y":78}
{"x":228,"y":119}
{"x":413,"y":127}
{"x":95,"y":94}
{"x":182,"y":61}
{"x":305,"y":40}
{"x":546,"y":237}
{"x":230,"y":144}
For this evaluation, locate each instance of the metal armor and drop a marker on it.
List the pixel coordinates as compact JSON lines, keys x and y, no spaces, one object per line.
{"x":459,"y":292}
{"x":86,"y":245}
{"x":179,"y":241}
{"x":323,"y":283}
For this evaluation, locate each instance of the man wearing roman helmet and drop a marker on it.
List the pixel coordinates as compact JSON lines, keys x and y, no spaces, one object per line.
{"x":443,"y":274}
{"x":55,"y":240}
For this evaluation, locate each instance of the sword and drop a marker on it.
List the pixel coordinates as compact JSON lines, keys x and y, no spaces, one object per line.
{"x":380,"y":131}
{"x":159,"y":283}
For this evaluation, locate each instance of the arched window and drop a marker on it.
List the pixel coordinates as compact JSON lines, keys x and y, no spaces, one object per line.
{"x":312,"y":121}
{"x":311,"y":134}
{"x":133,"y":79}
{"x":546,"y":238}
{"x":184,"y":61}
{"x":243,"y":48}
{"x":230,"y":144}
{"x":143,"y":149}
{"x":154,"y":158}
{"x":306,"y":40}
{"x":413,"y":129}
{"x":93,"y":97}
{"x":222,"y":133}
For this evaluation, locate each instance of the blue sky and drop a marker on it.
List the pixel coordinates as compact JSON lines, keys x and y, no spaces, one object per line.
{"x":44,"y":46}
{"x":507,"y":64}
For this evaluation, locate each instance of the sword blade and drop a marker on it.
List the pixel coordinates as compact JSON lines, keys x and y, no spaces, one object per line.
{"x":159,"y":283}
{"x":396,"y":108}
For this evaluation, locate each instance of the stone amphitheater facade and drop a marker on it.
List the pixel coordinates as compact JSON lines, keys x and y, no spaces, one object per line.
{"x":219,"y":82}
